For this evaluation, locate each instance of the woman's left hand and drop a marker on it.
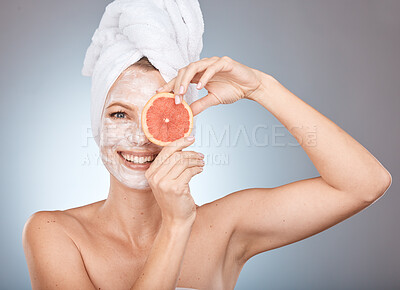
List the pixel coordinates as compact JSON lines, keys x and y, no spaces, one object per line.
{"x":225,"y":79}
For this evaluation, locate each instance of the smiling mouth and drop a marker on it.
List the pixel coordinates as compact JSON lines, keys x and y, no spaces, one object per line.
{"x":137,"y":158}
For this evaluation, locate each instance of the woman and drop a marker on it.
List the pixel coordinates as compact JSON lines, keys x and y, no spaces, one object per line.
{"x":149,"y":233}
{"x":155,"y":236}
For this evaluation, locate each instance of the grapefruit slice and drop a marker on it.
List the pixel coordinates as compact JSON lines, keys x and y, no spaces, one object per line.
{"x":163,"y":121}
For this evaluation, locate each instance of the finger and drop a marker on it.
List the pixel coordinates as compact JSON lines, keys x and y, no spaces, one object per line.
{"x":167,"y":87}
{"x":167,"y":151}
{"x":177,"y":89}
{"x":175,"y":159}
{"x":173,"y":85}
{"x":182,"y":165}
{"x":203,"y":103}
{"x":188,"y":174}
{"x":193,"y":69}
{"x":222,"y":64}
{"x":178,"y":99}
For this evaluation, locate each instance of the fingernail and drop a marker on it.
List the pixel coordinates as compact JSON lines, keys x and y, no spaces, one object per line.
{"x":189,"y":138}
{"x":181,"y":89}
{"x":159,"y":89}
{"x":177,"y":99}
{"x":201,"y":155}
{"x":198,"y":86}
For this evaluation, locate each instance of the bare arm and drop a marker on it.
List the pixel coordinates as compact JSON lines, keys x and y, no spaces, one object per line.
{"x":342,"y":162}
{"x":351,"y":179}
{"x":168,"y":177}
{"x":164,"y":262}
{"x":260,"y":219}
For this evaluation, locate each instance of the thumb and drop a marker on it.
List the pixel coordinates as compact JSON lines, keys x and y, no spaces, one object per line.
{"x":204,"y":103}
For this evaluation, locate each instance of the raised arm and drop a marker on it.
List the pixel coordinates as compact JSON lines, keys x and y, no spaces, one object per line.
{"x":342,"y":162}
{"x":351,"y":179}
{"x":261,"y":219}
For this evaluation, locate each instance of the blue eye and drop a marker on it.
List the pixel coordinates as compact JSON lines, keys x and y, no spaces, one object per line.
{"x":118,"y":115}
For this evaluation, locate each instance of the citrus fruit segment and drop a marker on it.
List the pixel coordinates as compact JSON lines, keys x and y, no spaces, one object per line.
{"x":163,"y":121}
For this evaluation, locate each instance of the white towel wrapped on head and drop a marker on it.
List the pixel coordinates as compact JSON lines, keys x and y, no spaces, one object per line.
{"x":168,"y":32}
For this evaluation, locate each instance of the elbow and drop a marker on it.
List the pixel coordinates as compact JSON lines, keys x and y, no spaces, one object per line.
{"x":380,"y":186}
{"x":384,"y":183}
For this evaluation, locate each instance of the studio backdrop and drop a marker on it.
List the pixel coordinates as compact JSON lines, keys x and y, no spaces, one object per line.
{"x":341,"y":57}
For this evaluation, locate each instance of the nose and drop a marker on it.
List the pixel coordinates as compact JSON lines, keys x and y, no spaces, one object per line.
{"x":138,"y":137}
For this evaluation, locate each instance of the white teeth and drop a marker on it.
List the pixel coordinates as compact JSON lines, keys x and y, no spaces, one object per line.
{"x":137,"y":159}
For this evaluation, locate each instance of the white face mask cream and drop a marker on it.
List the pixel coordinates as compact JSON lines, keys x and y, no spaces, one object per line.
{"x":124,"y":148}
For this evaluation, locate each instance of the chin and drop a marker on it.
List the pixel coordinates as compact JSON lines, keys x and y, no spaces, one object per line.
{"x":131,"y":183}
{"x":133,"y":180}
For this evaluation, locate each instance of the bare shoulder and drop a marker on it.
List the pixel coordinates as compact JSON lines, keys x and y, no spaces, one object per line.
{"x":64,"y":220}
{"x":46,"y":228}
{"x":44,"y":221}
{"x":46,"y":241}
{"x":55,"y":226}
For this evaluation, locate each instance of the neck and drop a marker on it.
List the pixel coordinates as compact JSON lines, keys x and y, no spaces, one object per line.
{"x":134,"y":214}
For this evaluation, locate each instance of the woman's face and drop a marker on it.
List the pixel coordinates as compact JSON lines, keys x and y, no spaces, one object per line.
{"x":124,"y":148}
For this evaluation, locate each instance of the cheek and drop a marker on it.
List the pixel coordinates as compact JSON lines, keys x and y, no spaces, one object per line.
{"x":113,"y":134}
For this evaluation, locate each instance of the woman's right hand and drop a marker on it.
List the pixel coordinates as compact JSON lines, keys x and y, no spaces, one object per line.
{"x":169,"y":177}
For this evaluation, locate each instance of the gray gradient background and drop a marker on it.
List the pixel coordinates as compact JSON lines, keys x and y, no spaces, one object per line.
{"x":341,"y":57}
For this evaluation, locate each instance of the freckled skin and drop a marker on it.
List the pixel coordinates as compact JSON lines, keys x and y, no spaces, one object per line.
{"x":209,"y":244}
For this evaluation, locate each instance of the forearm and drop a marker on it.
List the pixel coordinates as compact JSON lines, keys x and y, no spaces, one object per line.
{"x":163,"y":264}
{"x":341,"y":161}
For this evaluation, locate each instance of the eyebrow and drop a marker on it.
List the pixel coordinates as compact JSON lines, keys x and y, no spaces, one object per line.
{"x":120,"y":104}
